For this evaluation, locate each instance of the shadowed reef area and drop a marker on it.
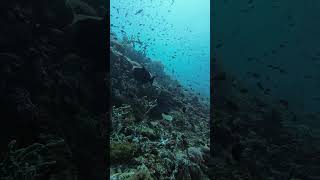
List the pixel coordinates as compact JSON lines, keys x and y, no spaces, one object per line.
{"x":254,"y":136}
{"x":53,"y":89}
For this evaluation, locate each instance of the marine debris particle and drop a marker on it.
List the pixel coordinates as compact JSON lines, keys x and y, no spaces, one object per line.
{"x":166,"y":117}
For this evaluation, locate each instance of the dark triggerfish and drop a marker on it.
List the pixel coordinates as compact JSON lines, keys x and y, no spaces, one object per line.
{"x":142,"y":75}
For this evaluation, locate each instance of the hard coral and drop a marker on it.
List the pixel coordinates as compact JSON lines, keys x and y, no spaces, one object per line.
{"x":143,"y":173}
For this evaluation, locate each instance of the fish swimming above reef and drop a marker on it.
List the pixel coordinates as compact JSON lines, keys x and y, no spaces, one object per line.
{"x":142,"y":75}
{"x":138,"y":12}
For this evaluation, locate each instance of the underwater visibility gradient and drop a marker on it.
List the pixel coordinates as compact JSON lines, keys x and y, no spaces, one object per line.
{"x":160,"y":89}
{"x":175,"y":32}
{"x":266,"y":107}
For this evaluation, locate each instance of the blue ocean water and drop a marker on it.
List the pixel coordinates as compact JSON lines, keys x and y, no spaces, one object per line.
{"x":279,"y":40}
{"x":175,"y":32}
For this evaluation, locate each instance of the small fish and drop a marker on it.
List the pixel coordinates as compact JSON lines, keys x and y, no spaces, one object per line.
{"x":138,"y":12}
{"x":284,"y":103}
{"x":260,"y":86}
{"x":255,"y":75}
{"x":267,"y":91}
{"x":219,"y":45}
{"x":277,"y":68}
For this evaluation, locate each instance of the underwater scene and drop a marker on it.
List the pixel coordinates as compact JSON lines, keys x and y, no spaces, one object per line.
{"x":265,"y":112}
{"x":160,"y":89}
{"x":53,"y":92}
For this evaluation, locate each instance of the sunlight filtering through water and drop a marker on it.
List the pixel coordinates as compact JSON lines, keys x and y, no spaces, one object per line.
{"x":176,"y":32}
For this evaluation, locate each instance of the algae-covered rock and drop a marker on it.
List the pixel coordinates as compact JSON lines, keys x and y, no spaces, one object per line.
{"x":122,"y":152}
{"x":53,"y":13}
{"x":141,"y":173}
{"x":195,"y":154}
{"x":166,"y":117}
{"x":122,"y":176}
{"x":148,"y":132}
{"x":80,"y":7}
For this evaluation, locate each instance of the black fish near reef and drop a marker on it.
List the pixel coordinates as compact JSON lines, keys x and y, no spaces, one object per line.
{"x":219,"y":45}
{"x":142,"y":75}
